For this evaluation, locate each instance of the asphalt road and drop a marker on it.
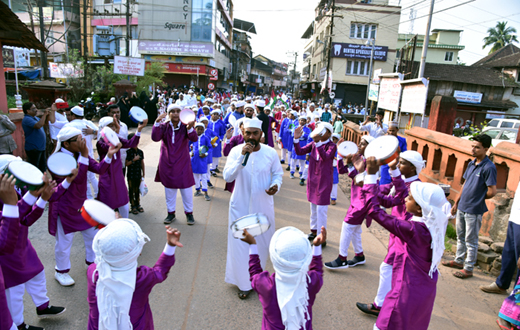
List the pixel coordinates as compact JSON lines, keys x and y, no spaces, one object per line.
{"x":195,"y":295}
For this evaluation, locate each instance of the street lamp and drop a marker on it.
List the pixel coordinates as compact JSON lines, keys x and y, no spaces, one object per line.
{"x":370,"y":42}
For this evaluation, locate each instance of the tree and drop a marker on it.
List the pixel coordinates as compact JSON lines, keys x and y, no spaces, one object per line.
{"x":154,"y":73}
{"x":499,"y":36}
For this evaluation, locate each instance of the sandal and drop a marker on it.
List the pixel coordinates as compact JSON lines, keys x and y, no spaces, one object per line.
{"x":140,"y":209}
{"x":244,"y":294}
{"x":134,"y":211}
{"x":452,"y":264}
{"x":504,"y":327}
{"x":462,"y":274}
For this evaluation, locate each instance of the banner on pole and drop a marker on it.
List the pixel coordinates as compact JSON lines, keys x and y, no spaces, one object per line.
{"x":131,"y":66}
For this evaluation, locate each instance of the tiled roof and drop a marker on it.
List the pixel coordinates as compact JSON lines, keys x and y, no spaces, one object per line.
{"x":15,"y":33}
{"x":502,"y":52}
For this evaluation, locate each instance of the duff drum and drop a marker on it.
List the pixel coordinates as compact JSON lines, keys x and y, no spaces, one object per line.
{"x":384,"y":149}
{"x":137,"y":115}
{"x":5,"y":160}
{"x":187,"y":115}
{"x":110,"y":136}
{"x":347,"y":148}
{"x":61,"y":164}
{"x":97,"y":214}
{"x":256,"y":224}
{"x":27,"y":175}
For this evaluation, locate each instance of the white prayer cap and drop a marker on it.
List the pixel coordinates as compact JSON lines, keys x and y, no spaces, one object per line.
{"x":240,"y":104}
{"x":234,"y":99}
{"x":327,"y":126}
{"x":295,"y":113}
{"x":117,"y":247}
{"x":432,"y":201}
{"x":190,"y":91}
{"x":105,"y":121}
{"x":200,"y":124}
{"x":205,"y":106}
{"x":66,"y":133}
{"x":260,"y":103}
{"x":368,"y":138}
{"x":327,"y":105}
{"x":233,"y":103}
{"x":217,"y":105}
{"x":217,"y":111}
{"x":248,"y":98}
{"x":249,"y":105}
{"x":78,"y":111}
{"x":253,"y":123}
{"x":312,"y":105}
{"x":5,"y":160}
{"x":210,"y":100}
{"x":267,"y":108}
{"x":291,"y":255}
{"x":59,"y":101}
{"x":203,"y":118}
{"x":174,"y":107}
{"x":393,"y":124}
{"x":336,"y":135}
{"x":415,"y":158}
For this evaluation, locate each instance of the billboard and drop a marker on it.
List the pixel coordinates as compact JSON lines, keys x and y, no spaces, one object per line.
{"x":21,"y":55}
{"x":65,"y":70}
{"x":129,"y":66}
{"x":414,"y":96}
{"x":389,"y":94}
{"x":357,"y":51}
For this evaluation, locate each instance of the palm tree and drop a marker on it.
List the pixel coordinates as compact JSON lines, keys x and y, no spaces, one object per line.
{"x":500,"y":36}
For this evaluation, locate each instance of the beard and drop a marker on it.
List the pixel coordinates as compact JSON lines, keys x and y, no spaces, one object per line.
{"x":253,"y":142}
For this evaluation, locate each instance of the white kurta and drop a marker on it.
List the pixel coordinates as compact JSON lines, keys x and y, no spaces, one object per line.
{"x":262,"y":171}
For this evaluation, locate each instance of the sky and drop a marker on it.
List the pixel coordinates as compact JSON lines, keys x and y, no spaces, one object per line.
{"x":281,"y":23}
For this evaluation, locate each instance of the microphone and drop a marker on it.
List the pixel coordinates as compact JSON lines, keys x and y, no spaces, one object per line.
{"x":246,"y":156}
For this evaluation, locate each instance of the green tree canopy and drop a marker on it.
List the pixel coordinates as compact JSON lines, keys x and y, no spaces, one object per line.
{"x":499,"y":36}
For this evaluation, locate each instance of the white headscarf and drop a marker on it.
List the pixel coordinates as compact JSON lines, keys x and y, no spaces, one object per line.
{"x":103,"y":122}
{"x":415,"y":158}
{"x":117,"y":247}
{"x":66,"y":133}
{"x":291,"y":255}
{"x":432,"y":201}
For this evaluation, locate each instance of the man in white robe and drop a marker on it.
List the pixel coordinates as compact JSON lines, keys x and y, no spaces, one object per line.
{"x":255,"y":185}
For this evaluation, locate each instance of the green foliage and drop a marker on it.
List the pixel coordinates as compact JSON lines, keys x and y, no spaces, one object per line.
{"x":11,"y":102}
{"x":474,"y":130}
{"x":451,"y":232}
{"x":499,"y":36}
{"x":154,"y":73}
{"x":447,"y":244}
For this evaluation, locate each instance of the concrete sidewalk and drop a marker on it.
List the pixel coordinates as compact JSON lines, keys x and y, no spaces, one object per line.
{"x":195,"y":295}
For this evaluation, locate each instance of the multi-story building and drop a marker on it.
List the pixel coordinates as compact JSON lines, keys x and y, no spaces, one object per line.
{"x":242,"y":54}
{"x":191,"y":38}
{"x":356,"y":24}
{"x":276,"y":80}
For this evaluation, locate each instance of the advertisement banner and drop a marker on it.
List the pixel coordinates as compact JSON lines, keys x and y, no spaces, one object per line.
{"x":414,"y":97}
{"x":185,"y":68}
{"x":131,"y":66}
{"x":468,"y":97}
{"x":373,"y":92}
{"x":357,"y":51}
{"x":389,"y":94}
{"x":64,"y":70}
{"x":21,"y":55}
{"x":175,"y":48}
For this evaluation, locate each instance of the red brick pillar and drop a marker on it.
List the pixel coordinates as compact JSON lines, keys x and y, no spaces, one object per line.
{"x":442,"y":114}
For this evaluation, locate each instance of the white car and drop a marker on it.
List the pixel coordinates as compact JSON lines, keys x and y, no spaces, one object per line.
{"x":499,"y":135}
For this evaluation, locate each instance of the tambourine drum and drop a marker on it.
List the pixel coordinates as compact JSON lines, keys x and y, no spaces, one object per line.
{"x":5,"y":160}
{"x":61,"y":164}
{"x":137,"y":115}
{"x":97,"y":214}
{"x":110,"y":136}
{"x":347,"y":148}
{"x":384,"y":149}
{"x":256,"y":224}
{"x":203,"y":150}
{"x":187,"y":115}
{"x":27,"y":175}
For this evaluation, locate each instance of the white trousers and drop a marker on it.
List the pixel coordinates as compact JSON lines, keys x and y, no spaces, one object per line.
{"x":124,"y":211}
{"x":318,"y":216}
{"x":214,"y":165}
{"x":334,"y":192}
{"x":13,"y":327}
{"x":376,"y":328}
{"x":350,"y":233}
{"x":284,"y":154}
{"x":64,"y":244}
{"x":385,"y":283}
{"x":305,"y":172}
{"x":297,"y":162}
{"x":200,"y":179}
{"x":92,"y":181}
{"x":171,"y":199}
{"x":36,"y":287}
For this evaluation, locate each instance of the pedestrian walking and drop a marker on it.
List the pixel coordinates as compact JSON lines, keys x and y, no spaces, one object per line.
{"x":135,"y":175}
{"x":35,"y":138}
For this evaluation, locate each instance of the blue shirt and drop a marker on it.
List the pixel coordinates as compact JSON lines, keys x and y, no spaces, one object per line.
{"x":326,"y":116}
{"x":385,"y":176}
{"x":34,"y":138}
{"x":478,"y":179}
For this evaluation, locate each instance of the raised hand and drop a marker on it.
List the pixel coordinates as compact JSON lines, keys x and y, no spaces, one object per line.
{"x":48,"y":190}
{"x":113,"y":150}
{"x":191,"y":124}
{"x":321,"y":238}
{"x":229,"y":133}
{"x":116,"y":124}
{"x":247,"y":148}
{"x":393,"y":164}
{"x":248,"y":238}
{"x":372,"y":165}
{"x":7,"y":193}
{"x":161,"y":117}
{"x":82,"y":144}
{"x":173,"y":236}
{"x":72,"y":176}
{"x":142,"y":125}
{"x":298,"y":132}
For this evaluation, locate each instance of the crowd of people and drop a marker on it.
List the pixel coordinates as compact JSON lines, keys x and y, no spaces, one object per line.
{"x":246,"y":130}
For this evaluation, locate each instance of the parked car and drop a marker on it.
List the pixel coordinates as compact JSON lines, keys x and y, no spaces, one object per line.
{"x":499,"y":135}
{"x":504,"y":123}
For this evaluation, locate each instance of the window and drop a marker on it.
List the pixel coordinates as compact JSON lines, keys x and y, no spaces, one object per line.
{"x":492,"y":133}
{"x":506,"y":124}
{"x":363,"y":30}
{"x":202,"y":20}
{"x":508,"y":136}
{"x":493,"y":123}
{"x":517,"y":125}
{"x":359,"y":68}
{"x":448,"y":57}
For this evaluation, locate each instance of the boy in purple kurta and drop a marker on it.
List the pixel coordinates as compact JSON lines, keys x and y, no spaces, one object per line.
{"x":319,"y":183}
{"x":64,"y":218}
{"x":287,"y":296}
{"x":133,"y":305}
{"x":419,"y":245}
{"x":112,"y":187}
{"x":174,"y":169}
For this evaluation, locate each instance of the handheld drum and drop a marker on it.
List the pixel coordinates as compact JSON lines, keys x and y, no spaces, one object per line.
{"x":5,"y":160}
{"x":110,"y":136}
{"x":384,"y":148}
{"x":256,"y":224}
{"x":347,"y":148}
{"x":137,"y":115}
{"x":97,"y":214}
{"x":61,"y":164}
{"x":27,"y":175}
{"x":187,"y":115}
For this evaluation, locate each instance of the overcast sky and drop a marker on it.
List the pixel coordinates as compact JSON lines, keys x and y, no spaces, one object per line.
{"x":281,"y":23}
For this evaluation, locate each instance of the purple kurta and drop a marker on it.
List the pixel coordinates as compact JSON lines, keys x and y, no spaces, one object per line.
{"x":409,"y":304}
{"x":140,"y":311}
{"x":112,"y":185}
{"x":9,"y":229}
{"x":319,"y":183}
{"x":357,"y":211}
{"x":233,"y":142}
{"x":174,"y":169}
{"x":67,"y":206}
{"x":265,"y":285}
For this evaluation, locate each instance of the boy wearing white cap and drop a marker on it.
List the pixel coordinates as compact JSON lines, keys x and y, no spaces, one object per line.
{"x":335,"y":176}
{"x":287,"y":296}
{"x":199,"y":161}
{"x":219,"y":128}
{"x":319,"y":184}
{"x":286,"y":136}
{"x":297,"y":160}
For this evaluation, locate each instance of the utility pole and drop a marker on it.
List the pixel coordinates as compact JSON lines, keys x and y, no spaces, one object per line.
{"x":330,"y":44}
{"x":127,"y":28}
{"x":426,"y":41}
{"x":294,"y":72}
{"x":65,"y":30}
{"x":85,"y":43}
{"x":41,"y":3}
{"x":372,"y":44}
